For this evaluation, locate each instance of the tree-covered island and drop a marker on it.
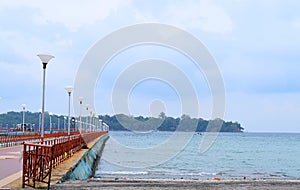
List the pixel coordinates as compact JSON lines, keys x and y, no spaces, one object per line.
{"x":121,"y":122}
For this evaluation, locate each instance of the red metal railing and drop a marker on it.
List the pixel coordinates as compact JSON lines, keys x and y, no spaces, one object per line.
{"x":13,"y":140}
{"x":37,"y":165}
{"x":60,"y":134}
{"x":88,"y":137}
{"x":39,"y":159}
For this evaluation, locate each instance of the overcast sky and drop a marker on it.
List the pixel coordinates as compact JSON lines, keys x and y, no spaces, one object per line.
{"x":255,"y":43}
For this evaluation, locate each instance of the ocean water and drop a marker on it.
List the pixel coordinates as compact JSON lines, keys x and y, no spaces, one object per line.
{"x":159,"y":155}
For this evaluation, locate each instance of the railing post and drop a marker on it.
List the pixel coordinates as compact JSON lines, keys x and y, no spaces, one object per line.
{"x":51,"y":159}
{"x":35,"y":167}
{"x":24,"y":166}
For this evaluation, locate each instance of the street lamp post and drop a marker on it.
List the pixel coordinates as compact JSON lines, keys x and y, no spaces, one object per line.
{"x":45,"y":59}
{"x":80,"y":104}
{"x":65,"y":123}
{"x":50,"y":121}
{"x":58,"y":122}
{"x":93,"y":121}
{"x":87,"y":118}
{"x":100,"y":124}
{"x":23,"y":123}
{"x":40,"y":111}
{"x":91,"y":115}
{"x":69,"y":89}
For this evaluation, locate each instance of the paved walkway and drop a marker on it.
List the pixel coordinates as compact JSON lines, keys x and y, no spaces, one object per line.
{"x":11,"y":164}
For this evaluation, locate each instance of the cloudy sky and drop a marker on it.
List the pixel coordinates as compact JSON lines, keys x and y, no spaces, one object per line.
{"x":255,"y":43}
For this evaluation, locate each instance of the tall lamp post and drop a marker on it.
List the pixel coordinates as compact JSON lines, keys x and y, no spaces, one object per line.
{"x":50,"y":121}
{"x":45,"y":59}
{"x":91,"y":115}
{"x":69,"y":89}
{"x":80,"y":104}
{"x":40,"y":112}
{"x":58,"y":122}
{"x":87,"y":118}
{"x":65,"y":124}
{"x":23,"y":123}
{"x":93,"y":121}
{"x":100,"y":124}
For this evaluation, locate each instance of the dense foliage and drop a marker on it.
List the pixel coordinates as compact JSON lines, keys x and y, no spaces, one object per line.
{"x":10,"y":120}
{"x":164,"y":123}
{"x":123,"y":122}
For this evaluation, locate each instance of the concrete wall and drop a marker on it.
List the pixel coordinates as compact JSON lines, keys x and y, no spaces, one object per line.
{"x":85,"y":167}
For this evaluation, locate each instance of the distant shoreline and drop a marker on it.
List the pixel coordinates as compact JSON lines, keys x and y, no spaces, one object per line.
{"x":164,"y":123}
{"x":196,"y":132}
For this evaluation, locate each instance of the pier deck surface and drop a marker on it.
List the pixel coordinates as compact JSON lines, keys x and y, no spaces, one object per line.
{"x":10,"y":164}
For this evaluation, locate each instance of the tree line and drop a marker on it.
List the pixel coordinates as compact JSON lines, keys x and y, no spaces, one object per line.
{"x":121,"y":122}
{"x":11,"y":119}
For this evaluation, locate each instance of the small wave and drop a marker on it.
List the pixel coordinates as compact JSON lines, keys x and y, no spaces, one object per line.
{"x":181,"y":174}
{"x":199,"y":174}
{"x":279,"y":174}
{"x":123,"y":173}
{"x":154,"y":174}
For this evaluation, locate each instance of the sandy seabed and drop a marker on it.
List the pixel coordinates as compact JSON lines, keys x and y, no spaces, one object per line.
{"x":187,"y":184}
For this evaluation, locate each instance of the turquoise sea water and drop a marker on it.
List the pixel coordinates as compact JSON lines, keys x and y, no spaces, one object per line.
{"x":254,"y":155}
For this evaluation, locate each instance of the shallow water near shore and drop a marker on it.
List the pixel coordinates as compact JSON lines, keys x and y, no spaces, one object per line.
{"x":251,"y":155}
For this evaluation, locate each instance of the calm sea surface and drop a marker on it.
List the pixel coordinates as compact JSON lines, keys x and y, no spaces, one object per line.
{"x":255,"y":155}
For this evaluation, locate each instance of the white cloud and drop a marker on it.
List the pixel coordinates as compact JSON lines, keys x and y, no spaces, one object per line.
{"x":296,"y":24}
{"x":203,"y":15}
{"x":73,"y":14}
{"x":19,"y":71}
{"x":25,"y":45}
{"x":143,"y":17}
{"x":265,"y":112}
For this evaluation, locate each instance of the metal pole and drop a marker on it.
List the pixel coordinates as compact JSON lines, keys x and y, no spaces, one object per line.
{"x":80,"y":126}
{"x":58,"y":123}
{"x":86,"y":123}
{"x":43,"y":102}
{"x":90,"y":121}
{"x":50,"y":120}
{"x":23,"y":124}
{"x":39,"y":121}
{"x":69,"y":124}
{"x":64,"y":123}
{"x":87,"y":118}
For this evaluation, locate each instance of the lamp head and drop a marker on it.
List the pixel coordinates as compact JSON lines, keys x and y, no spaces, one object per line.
{"x":24,"y":106}
{"x":81,"y":99}
{"x":69,"y":89}
{"x":45,"y":58}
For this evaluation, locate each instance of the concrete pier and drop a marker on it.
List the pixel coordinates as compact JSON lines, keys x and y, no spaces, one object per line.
{"x":73,"y":166}
{"x":85,"y":167}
